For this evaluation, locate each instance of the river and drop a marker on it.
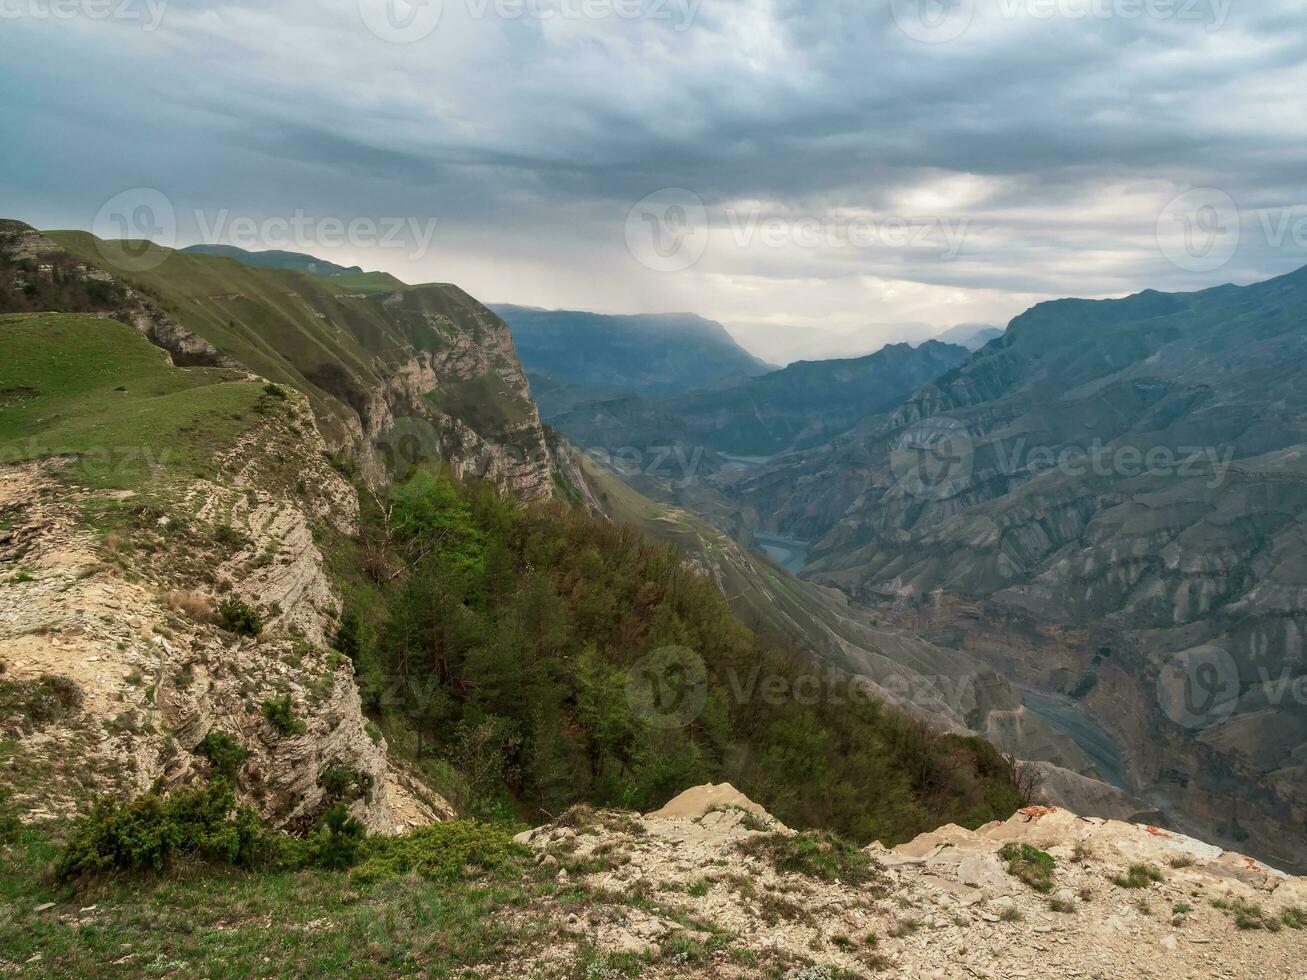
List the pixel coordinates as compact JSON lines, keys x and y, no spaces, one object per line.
{"x":790,"y":554}
{"x":1094,"y":740}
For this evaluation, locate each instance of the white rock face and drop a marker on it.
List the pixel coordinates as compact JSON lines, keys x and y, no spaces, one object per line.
{"x":941,"y":905}
{"x":125,"y":619}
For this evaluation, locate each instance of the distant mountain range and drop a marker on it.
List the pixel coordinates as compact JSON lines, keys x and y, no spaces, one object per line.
{"x":786,"y":344}
{"x":275,"y":259}
{"x":803,"y":405}
{"x":646,"y":354}
{"x":1109,"y":502}
{"x":972,"y":336}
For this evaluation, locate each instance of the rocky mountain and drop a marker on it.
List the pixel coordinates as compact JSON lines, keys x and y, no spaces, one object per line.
{"x":972,"y":336}
{"x":1108,"y":503}
{"x":391,"y":373}
{"x":649,"y":354}
{"x":947,"y":688}
{"x":803,"y":405}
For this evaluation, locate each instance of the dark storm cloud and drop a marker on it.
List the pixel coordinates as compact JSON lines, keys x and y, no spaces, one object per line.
{"x":1057,"y":139}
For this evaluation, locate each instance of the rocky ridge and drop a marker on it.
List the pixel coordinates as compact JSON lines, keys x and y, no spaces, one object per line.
{"x":1117,"y":899}
{"x":408,"y":371}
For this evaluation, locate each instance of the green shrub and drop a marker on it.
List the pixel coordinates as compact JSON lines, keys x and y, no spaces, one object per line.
{"x":339,"y":782}
{"x":349,"y":635}
{"x":229,"y":537}
{"x":281,"y":715}
{"x":1030,"y":865}
{"x":816,"y":854}
{"x":1139,"y":876}
{"x":1248,"y":916}
{"x":236,"y":616}
{"x":336,"y":843}
{"x":151,"y":831}
{"x":42,"y":701}
{"x":225,"y":754}
{"x":442,"y":852}
{"x":10,"y":825}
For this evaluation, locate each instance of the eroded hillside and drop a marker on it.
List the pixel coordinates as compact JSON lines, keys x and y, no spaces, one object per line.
{"x":1106,"y":503}
{"x":160,"y":602}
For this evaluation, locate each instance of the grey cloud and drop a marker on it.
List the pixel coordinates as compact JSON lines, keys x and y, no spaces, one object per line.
{"x":531,"y":141}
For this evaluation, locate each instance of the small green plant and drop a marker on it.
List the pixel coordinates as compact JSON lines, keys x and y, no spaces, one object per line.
{"x":1182,"y":908}
{"x":1030,"y":865}
{"x":1061,"y":905}
{"x":1294,"y":918}
{"x":239,"y":617}
{"x":1182,"y":862}
{"x":47,"y":699}
{"x":1248,"y":916}
{"x":273,"y":390}
{"x":1139,"y":876}
{"x":21,"y":578}
{"x":225,"y":754}
{"x":699,"y":889}
{"x":342,"y":782}
{"x":1010,"y":914}
{"x":817,"y":854}
{"x":904,"y":927}
{"x":281,"y":715}
{"x":229,"y":538}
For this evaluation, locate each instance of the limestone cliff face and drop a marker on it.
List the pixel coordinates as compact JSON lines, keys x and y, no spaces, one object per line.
{"x":124,"y":621}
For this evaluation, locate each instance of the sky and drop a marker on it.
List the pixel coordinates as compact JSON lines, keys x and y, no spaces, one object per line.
{"x":821,"y":177}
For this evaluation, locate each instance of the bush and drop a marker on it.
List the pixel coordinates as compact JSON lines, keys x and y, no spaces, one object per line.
{"x":442,"y":852}
{"x":225,"y":754}
{"x":151,"y":831}
{"x":42,"y":701}
{"x":229,"y":537}
{"x":338,"y":782}
{"x":336,"y":844}
{"x":239,"y":617}
{"x":817,"y":854}
{"x":1030,"y":865}
{"x":279,"y":712}
{"x":349,"y":635}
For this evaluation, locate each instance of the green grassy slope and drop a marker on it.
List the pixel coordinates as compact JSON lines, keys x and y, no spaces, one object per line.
{"x":333,"y":338}
{"x":96,"y":388}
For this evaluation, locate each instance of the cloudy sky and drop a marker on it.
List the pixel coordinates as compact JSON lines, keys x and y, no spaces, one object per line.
{"x":850,"y":171}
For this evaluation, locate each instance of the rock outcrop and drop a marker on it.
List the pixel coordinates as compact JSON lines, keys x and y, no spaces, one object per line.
{"x":120,"y":624}
{"x":1115,"y":899}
